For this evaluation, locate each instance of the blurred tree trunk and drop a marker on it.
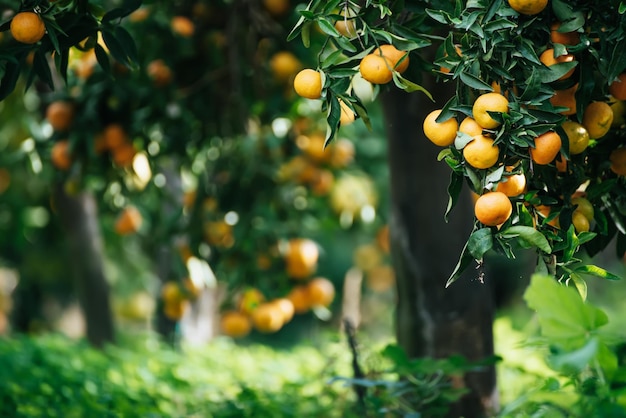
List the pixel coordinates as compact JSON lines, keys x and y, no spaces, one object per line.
{"x":79,"y":219}
{"x":430,"y":319}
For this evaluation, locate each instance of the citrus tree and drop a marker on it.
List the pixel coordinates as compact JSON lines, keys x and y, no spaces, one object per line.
{"x":168,"y":140}
{"x":532,"y":122}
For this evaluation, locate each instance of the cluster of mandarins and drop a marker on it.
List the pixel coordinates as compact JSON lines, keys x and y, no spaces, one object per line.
{"x":177,"y":296}
{"x":494,"y":207}
{"x":254,"y":311}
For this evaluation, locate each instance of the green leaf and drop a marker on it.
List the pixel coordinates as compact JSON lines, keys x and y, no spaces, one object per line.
{"x":474,"y":82}
{"x":480,"y":242}
{"x":597,"y":272}
{"x":334,"y":115}
{"x":575,"y":361}
{"x":103,"y":58}
{"x":327,"y":27}
{"x":563,"y":316}
{"x":530,"y":235}
{"x":580,"y":283}
{"x":464,"y":261}
{"x":409,"y":86}
{"x":454,"y":189}
{"x":116,"y":48}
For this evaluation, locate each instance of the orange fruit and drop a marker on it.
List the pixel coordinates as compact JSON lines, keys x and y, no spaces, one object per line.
{"x":313,"y":146}
{"x":61,"y":156}
{"x":513,"y":185}
{"x":470,"y":127}
{"x":321,"y":292}
{"x":183,"y":26}
{"x":493,"y":208}
{"x":267,"y":318}
{"x":171,"y":292}
{"x":235,"y":324}
{"x":618,"y":87}
{"x":114,"y":136}
{"x":308,"y":84}
{"x":597,"y":119}
{"x":382,"y":238}
{"x":284,"y":65}
{"x":619,"y":112}
{"x":299,"y":297}
{"x":139,"y":15}
{"x":376,"y":69}
{"x":380,"y":278}
{"x":394,"y":56}
{"x":367,"y":256}
{"x":124,"y":155}
{"x":548,"y":59}
{"x":565,"y":98}
{"x":347,"y":115}
{"x":545,"y":211}
{"x":276,"y":7}
{"x":481,"y":153}
{"x":323,"y":182}
{"x":219,"y":234}
{"x":580,"y":221}
{"x":618,"y":161}
{"x":346,"y":27}
{"x":285,"y":306}
{"x":301,"y":258}
{"x":341,"y":153}
{"x":128,"y":221}
{"x":159,"y":72}
{"x":547,"y":146}
{"x":27,"y":27}
{"x":577,"y":135}
{"x":564,"y":38}
{"x":440,"y":133}
{"x":528,"y":7}
{"x":584,"y":206}
{"x":489,"y":102}
{"x":249,"y":300}
{"x":60,"y":115}
{"x":175,"y":310}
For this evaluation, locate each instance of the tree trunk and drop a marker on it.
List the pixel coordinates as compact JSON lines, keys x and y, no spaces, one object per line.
{"x":79,"y":219}
{"x":431,"y":320}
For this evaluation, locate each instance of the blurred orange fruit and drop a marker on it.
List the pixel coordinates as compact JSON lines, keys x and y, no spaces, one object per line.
{"x":235,"y":324}
{"x":61,"y":156}
{"x":128,"y":221}
{"x":60,"y":115}
{"x":321,"y":292}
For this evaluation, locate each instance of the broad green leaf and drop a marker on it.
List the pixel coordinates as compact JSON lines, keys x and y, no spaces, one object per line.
{"x":474,"y":82}
{"x":575,"y":361}
{"x":409,"y":86}
{"x":464,"y":261}
{"x":597,"y":272}
{"x":564,"y":317}
{"x":480,"y":242}
{"x":530,"y":235}
{"x":581,"y":285}
{"x":328,"y":28}
{"x":454,"y":189}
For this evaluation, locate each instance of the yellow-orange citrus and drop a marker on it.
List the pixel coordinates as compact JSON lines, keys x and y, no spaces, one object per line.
{"x":376,"y":69}
{"x":235,"y":324}
{"x":341,"y":153}
{"x":124,"y":155}
{"x":322,"y":182}
{"x":367,"y":256}
{"x":440,"y":133}
{"x":182,"y":26}
{"x":584,"y":206}
{"x":481,"y":152}
{"x":470,"y":127}
{"x":276,"y":7}
{"x":249,"y":300}
{"x":114,"y":136}
{"x":128,"y":221}
{"x":299,"y":297}
{"x":301,"y":258}
{"x":267,"y":318}
{"x":285,"y":306}
{"x":382,"y":238}
{"x":347,"y":115}
{"x":547,"y":146}
{"x":564,"y":38}
{"x":493,"y":208}
{"x":528,"y":7}
{"x":321,"y":292}
{"x":618,"y":161}
{"x":545,"y":211}
{"x":284,"y":65}
{"x":27,"y":27}
{"x":597,"y":119}
{"x":308,"y":84}
{"x":561,"y":163}
{"x":618,"y":87}
{"x":171,"y":292}
{"x":380,"y":278}
{"x":512,"y":185}
{"x":60,"y":115}
{"x":548,"y":59}
{"x":565,"y":98}
{"x":577,"y":135}
{"x":175,"y":310}
{"x":619,"y":111}
{"x":489,"y":102}
{"x":159,"y":72}
{"x":219,"y":233}
{"x":580,"y":221}
{"x":346,"y":27}
{"x":394,"y":56}
{"x":61,"y":156}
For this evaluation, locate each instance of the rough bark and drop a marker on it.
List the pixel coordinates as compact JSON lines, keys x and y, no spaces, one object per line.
{"x":79,"y":218}
{"x":432,"y":320}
